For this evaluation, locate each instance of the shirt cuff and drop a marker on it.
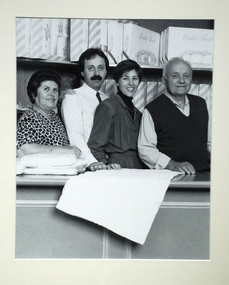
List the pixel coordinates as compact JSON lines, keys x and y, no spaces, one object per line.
{"x":162,"y":162}
{"x":89,"y":156}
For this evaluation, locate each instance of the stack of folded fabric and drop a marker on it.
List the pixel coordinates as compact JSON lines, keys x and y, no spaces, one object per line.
{"x":64,"y":164}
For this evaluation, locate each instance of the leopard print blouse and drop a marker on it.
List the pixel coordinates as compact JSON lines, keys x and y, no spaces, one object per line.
{"x":33,"y":127}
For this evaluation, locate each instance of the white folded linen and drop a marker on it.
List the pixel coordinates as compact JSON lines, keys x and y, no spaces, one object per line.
{"x":124,"y":201}
{"x":48,"y":160}
{"x":51,"y":170}
{"x":19,"y":167}
{"x":59,"y":164}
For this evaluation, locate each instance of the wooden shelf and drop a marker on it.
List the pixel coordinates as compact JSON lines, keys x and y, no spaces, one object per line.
{"x":75,"y":63}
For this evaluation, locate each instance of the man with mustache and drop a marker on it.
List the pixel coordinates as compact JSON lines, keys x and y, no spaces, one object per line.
{"x":174,"y":128}
{"x":78,"y":110}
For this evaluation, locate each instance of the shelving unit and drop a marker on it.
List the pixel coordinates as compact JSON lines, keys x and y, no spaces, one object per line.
{"x":69,"y":70}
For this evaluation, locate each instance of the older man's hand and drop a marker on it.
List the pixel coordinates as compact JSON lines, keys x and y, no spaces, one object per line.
{"x":183,"y":167}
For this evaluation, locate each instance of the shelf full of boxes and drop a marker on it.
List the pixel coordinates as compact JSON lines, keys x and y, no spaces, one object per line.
{"x":59,"y":42}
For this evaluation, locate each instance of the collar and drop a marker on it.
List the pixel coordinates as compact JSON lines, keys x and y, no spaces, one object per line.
{"x":52,"y":112}
{"x":91,"y":90}
{"x":123,"y":104}
{"x":186,"y":101}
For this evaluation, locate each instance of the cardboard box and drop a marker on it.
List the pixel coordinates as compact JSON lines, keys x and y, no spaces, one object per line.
{"x":109,"y":87}
{"x":194,"y":89}
{"x":205,"y":91}
{"x":139,"y":99}
{"x":141,"y":45}
{"x":161,"y":49}
{"x":63,"y":48}
{"x":98,"y":34}
{"x":115,"y":41}
{"x":56,"y":31}
{"x":23,"y":37}
{"x":40,"y":38}
{"x":66,"y":28}
{"x":57,"y":27}
{"x":78,"y":37}
{"x":164,"y":41}
{"x":160,"y":88}
{"x":194,"y":45}
{"x":151,"y":90}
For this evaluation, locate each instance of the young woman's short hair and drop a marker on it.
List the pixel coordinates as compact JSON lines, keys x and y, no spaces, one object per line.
{"x":125,"y":66}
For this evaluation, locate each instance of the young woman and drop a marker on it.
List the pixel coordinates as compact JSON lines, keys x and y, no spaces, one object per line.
{"x":114,"y":135}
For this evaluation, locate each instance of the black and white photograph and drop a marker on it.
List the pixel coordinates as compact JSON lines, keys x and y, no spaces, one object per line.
{"x":113,"y":138}
{"x":114,"y":142}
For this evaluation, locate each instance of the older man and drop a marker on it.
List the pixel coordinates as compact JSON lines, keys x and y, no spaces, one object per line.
{"x":77,"y":110}
{"x":174,"y":127}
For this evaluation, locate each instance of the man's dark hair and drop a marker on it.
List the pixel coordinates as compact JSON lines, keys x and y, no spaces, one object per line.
{"x":89,"y":54}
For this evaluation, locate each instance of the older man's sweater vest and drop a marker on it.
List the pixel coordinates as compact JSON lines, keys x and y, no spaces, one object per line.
{"x":180,"y":137}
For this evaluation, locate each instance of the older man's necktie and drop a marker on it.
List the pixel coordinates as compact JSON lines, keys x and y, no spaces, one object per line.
{"x":98,"y":96}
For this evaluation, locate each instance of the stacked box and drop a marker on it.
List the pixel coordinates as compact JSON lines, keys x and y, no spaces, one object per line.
{"x":111,"y":87}
{"x":56,"y":31}
{"x":115,"y":41}
{"x":161,"y":61}
{"x":23,"y":37}
{"x":63,"y":48}
{"x":194,"y":89}
{"x":57,"y":27}
{"x":160,"y":88}
{"x":164,"y":42}
{"x":151,"y":90}
{"x":63,"y":42}
{"x":97,"y":34}
{"x":206,"y":93}
{"x":141,"y":45}
{"x":40,"y":38}
{"x":78,"y":38}
{"x":66,"y":28}
{"x":103,"y":87}
{"x":139,"y":99}
{"x":194,"y":45}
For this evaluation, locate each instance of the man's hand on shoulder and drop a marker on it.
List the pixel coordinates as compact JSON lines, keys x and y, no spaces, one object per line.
{"x":183,"y":167}
{"x":65,"y":92}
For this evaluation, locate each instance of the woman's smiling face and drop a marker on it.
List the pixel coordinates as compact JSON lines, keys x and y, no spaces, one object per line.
{"x":47,"y":96}
{"x":129,"y":82}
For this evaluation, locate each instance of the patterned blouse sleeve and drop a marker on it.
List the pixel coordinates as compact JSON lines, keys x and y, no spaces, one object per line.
{"x":26,"y":130}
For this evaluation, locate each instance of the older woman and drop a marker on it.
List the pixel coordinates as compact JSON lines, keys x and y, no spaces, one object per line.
{"x":40,"y":129}
{"x":113,"y":139}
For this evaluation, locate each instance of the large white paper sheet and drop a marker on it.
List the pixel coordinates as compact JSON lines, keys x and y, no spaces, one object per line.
{"x":124,"y":201}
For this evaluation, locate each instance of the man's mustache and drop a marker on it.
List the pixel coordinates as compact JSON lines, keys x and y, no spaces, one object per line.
{"x":96,"y":77}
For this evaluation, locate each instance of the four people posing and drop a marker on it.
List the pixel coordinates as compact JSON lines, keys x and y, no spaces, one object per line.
{"x":174,"y":127}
